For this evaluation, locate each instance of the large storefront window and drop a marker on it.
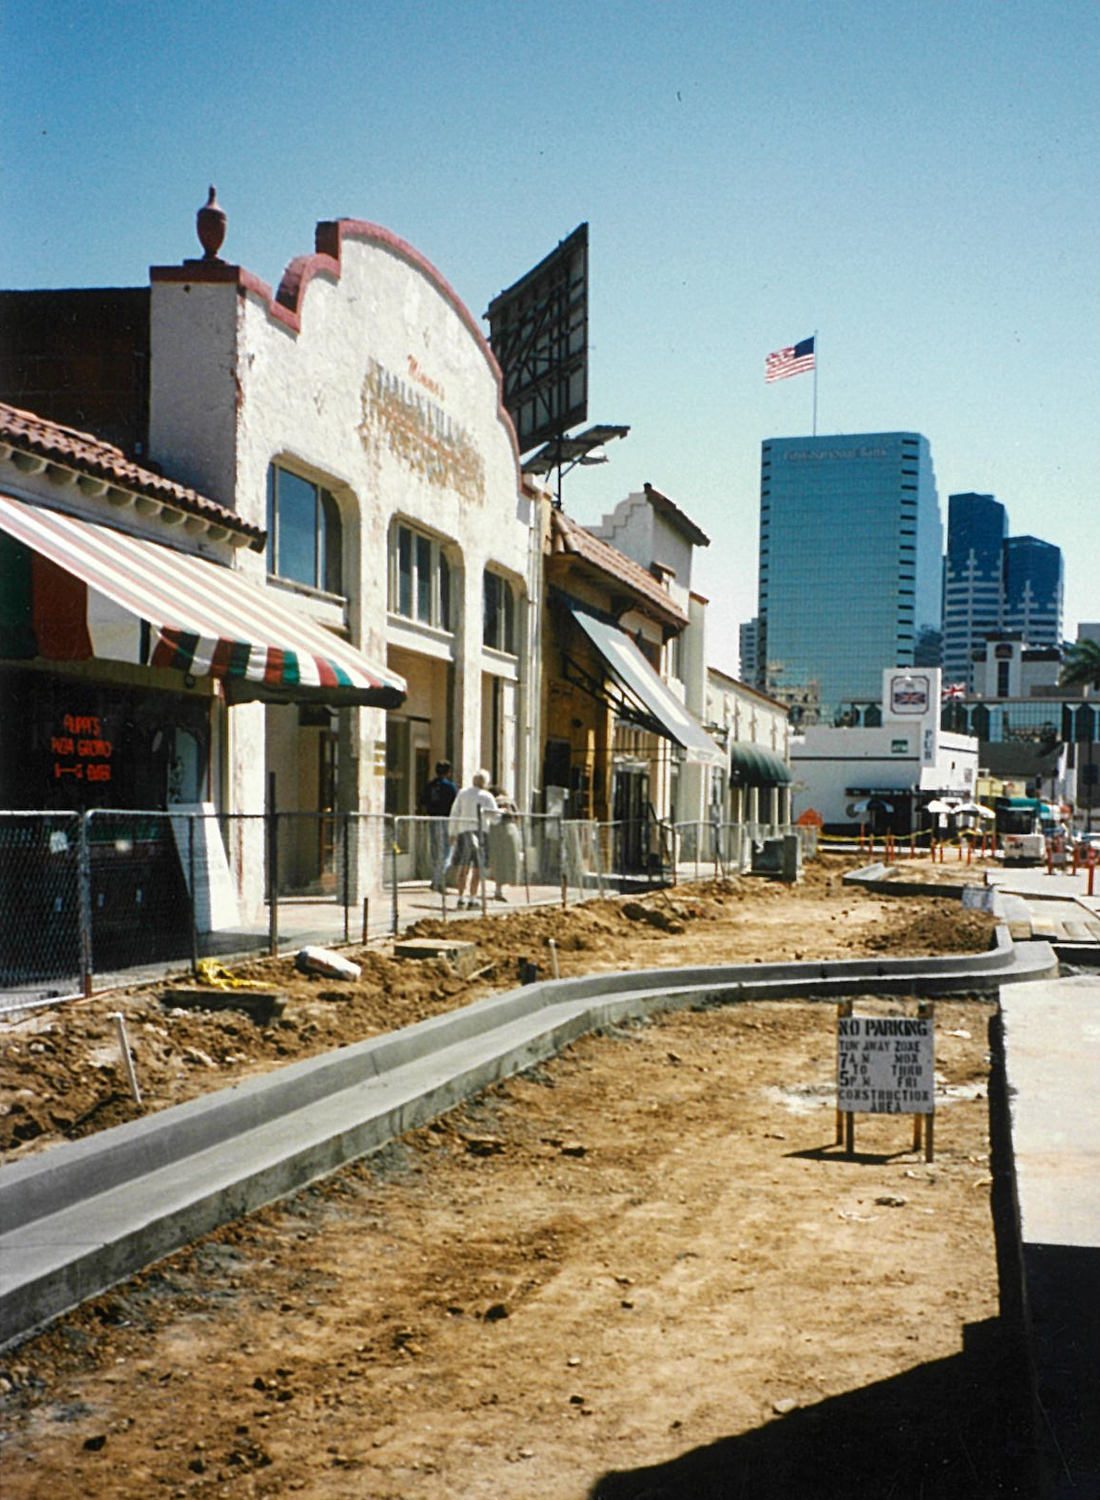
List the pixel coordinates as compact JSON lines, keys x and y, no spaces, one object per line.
{"x":420,"y":578}
{"x":303,"y":532}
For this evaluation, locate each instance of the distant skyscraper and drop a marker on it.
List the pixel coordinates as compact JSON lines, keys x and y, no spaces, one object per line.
{"x":748,"y":650}
{"x":977,"y":526}
{"x":850,"y":566}
{"x":1033,"y":590}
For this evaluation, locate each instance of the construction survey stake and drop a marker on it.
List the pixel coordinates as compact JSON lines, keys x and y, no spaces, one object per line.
{"x":885,"y":1064}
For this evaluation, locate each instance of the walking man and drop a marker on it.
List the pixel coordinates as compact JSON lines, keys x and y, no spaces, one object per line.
{"x":468,"y":854}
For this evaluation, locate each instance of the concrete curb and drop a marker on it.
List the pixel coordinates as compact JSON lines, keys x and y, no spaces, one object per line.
{"x":80,"y":1217}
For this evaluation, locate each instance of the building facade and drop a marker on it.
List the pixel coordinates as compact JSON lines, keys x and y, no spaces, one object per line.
{"x":994,"y":583}
{"x":883,"y":775}
{"x":1033,"y":586}
{"x":850,"y":569}
{"x":618,"y":734}
{"x":351,"y":419}
{"x":973,"y":581}
{"x":654,"y":532}
{"x":747,"y":656}
{"x":756,"y":734}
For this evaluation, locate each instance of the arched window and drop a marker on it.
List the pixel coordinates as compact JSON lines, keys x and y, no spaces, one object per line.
{"x":304,"y":542}
{"x":500,"y":613}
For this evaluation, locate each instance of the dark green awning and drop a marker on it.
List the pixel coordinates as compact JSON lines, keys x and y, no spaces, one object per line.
{"x":752,"y":765}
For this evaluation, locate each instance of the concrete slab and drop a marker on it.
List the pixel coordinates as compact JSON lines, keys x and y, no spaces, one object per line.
{"x":1051,"y":1033}
{"x":1052,"y":1058}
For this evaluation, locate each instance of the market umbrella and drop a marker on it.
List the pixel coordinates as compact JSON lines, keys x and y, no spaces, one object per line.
{"x":878,"y":803}
{"x":938,"y":805}
{"x":975,"y":809}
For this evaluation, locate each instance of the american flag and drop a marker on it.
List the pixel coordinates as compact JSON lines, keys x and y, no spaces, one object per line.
{"x":784,"y":363}
{"x":954,"y":690}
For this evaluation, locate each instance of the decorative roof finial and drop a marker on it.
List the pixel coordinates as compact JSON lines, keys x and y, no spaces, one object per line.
{"x":210,"y":223}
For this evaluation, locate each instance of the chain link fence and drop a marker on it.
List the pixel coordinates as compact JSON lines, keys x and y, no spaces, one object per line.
{"x":88,"y":900}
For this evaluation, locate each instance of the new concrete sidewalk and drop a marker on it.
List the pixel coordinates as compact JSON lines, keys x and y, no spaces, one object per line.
{"x":1051,"y":1042}
{"x":80,"y":1217}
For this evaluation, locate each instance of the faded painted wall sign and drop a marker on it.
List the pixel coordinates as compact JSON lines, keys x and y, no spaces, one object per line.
{"x":885,"y":1064}
{"x":399,"y":415}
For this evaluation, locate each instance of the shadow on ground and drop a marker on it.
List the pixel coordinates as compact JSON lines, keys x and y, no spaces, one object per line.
{"x":954,"y":1429}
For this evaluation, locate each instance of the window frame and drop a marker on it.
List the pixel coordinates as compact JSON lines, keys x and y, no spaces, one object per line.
{"x":500,"y":633}
{"x":420,"y":573}
{"x":328,"y":534}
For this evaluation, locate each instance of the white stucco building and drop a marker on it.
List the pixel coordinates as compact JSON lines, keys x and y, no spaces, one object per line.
{"x":335,"y":452}
{"x":355,"y":413}
{"x":900,"y":765}
{"x":755,"y":731}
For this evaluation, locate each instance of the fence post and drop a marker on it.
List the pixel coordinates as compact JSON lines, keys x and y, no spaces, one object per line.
{"x":599,"y":858}
{"x":191,"y":888}
{"x":347,"y":883}
{"x":84,"y":902}
{"x":272,"y":875}
{"x":561,"y":862}
{"x":524,"y":821}
{"x":395,"y":917}
{"x":482,"y":861}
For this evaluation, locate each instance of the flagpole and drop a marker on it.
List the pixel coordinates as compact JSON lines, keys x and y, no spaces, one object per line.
{"x":815,"y":383}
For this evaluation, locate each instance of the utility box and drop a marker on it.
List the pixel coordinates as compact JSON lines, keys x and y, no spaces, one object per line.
{"x":780,"y":858}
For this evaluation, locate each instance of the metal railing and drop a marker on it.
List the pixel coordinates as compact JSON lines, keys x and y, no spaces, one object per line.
{"x":89,"y":900}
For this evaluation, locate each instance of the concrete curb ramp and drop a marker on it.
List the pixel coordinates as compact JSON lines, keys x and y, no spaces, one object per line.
{"x":81,"y":1217}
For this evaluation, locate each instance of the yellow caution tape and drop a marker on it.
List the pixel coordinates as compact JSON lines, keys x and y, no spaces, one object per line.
{"x":219,"y":977}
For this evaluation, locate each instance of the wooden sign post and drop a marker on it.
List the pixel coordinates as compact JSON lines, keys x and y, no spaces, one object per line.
{"x":886,"y":1065}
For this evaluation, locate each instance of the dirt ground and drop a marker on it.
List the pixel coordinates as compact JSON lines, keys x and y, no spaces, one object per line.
{"x":643,"y":1269}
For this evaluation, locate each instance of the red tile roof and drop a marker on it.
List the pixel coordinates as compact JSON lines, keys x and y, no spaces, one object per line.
{"x":87,"y":454}
{"x":569,"y":536}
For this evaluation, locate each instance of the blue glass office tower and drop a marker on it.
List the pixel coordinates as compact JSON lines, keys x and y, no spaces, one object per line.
{"x":1033,"y":590}
{"x":977,"y":526}
{"x":850,"y":567}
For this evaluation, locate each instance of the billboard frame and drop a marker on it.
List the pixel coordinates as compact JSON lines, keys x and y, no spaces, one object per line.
{"x":538,"y":332}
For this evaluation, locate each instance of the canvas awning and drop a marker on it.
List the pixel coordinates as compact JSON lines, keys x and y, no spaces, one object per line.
{"x":653,"y":702}
{"x":72,"y":590}
{"x":752,"y":765}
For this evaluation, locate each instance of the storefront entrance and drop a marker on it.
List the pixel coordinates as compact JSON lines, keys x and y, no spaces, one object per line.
{"x":408,"y":771}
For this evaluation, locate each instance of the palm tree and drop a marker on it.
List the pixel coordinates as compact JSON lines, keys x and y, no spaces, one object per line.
{"x":1081,"y":667}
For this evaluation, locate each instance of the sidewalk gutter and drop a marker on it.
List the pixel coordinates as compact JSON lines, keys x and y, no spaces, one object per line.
{"x":78,"y":1218}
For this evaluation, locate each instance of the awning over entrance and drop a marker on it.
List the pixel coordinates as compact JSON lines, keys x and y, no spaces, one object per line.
{"x":752,"y":765}
{"x":662,"y":711}
{"x":71,"y":590}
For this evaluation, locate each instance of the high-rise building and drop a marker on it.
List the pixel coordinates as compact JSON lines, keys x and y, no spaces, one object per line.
{"x":850,"y":567}
{"x":1033,"y":590}
{"x":747,"y":643}
{"x":977,"y":526}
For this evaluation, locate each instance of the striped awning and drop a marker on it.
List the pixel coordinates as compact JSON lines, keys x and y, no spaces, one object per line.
{"x":72,"y":590}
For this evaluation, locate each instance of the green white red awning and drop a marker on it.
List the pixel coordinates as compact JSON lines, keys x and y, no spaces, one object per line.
{"x":72,"y":590}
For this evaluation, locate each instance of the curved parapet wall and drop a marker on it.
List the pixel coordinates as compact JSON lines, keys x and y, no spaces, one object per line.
{"x":162,"y":1181}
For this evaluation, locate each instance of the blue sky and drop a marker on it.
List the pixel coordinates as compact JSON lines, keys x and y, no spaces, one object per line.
{"x":915,"y":180}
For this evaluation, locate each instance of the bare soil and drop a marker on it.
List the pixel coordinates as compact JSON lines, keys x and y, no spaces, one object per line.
{"x":643,"y":1269}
